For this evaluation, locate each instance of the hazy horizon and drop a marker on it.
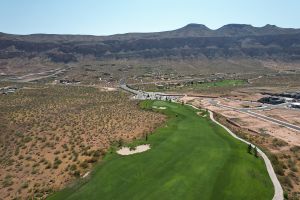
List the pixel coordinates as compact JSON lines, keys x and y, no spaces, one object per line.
{"x":139,"y":31}
{"x":93,"y":17}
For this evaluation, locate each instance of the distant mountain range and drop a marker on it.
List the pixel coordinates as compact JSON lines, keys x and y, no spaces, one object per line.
{"x":190,"y":41}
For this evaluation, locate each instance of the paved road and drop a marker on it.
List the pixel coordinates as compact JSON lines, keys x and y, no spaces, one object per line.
{"x":249,"y":111}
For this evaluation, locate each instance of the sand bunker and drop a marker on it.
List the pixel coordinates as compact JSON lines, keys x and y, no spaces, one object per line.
{"x":86,"y":174}
{"x":161,"y":108}
{"x":139,"y":149}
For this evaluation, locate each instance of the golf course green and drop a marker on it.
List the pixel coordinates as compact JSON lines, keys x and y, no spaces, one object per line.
{"x":190,"y":158}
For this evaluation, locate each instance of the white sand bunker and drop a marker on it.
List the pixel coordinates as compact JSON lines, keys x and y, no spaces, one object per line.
{"x":139,"y":149}
{"x":161,"y":108}
{"x":201,"y":114}
{"x":86,"y":174}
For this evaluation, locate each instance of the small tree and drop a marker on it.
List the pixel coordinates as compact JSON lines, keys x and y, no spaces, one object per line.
{"x":146,"y":137}
{"x":255,"y":152}
{"x":250,"y":148}
{"x":120,"y":142}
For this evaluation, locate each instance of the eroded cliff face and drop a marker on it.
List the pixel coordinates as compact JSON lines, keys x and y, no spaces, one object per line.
{"x":194,"y":40}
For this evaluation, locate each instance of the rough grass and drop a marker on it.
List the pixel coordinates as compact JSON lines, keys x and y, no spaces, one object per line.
{"x":190,"y":158}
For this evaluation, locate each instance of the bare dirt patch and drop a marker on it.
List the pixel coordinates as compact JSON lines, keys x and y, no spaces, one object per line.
{"x":289,"y":115}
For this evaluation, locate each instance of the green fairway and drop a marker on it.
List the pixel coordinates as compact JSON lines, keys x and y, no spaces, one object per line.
{"x":223,"y":83}
{"x":190,"y":158}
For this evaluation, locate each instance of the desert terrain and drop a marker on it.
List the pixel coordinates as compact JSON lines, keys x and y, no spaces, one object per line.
{"x":51,"y":135}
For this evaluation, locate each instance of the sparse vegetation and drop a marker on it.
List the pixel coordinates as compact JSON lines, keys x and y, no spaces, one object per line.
{"x":46,"y":128}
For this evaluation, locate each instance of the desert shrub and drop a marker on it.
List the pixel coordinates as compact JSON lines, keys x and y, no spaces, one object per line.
{"x":24,"y":185}
{"x":277,"y":165}
{"x":56,"y":163}
{"x":76,"y":173}
{"x":73,"y":167}
{"x":27,"y":139}
{"x":285,"y":180}
{"x":92,"y":160}
{"x":120,"y":142}
{"x":48,"y":166}
{"x":7,"y":181}
{"x":295,"y":149}
{"x":65,"y":146}
{"x":84,"y":164}
{"x":19,"y":134}
{"x":56,"y":152}
{"x":279,"y":143}
{"x":28,"y":157}
{"x":17,"y":151}
{"x":34,"y":171}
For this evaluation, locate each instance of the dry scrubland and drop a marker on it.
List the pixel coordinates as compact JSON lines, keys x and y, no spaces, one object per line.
{"x":51,"y":135}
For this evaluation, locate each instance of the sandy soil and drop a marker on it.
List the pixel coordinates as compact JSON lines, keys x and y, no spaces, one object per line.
{"x":239,"y":104}
{"x":108,"y":89}
{"x":124,"y":151}
{"x":254,"y":124}
{"x":187,"y":99}
{"x":289,"y":115}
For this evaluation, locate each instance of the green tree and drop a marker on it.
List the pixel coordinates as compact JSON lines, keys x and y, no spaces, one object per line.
{"x":255,"y":152}
{"x":250,"y":148}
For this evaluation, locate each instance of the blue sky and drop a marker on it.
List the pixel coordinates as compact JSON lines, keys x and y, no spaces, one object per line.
{"x":104,"y":17}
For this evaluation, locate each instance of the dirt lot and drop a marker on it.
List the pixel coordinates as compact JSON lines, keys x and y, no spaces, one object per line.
{"x":51,"y":135}
{"x":258,"y":125}
{"x":289,"y":115}
{"x":240,"y":104}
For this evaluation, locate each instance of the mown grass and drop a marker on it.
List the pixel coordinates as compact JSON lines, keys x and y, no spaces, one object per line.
{"x":223,"y":83}
{"x":190,"y":158}
{"x":195,"y":86}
